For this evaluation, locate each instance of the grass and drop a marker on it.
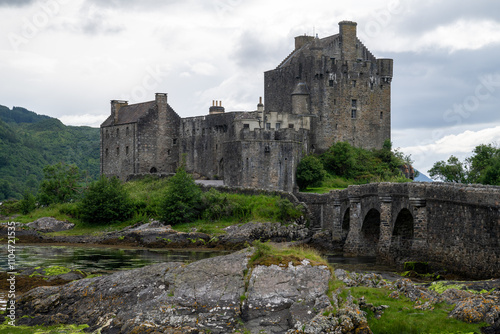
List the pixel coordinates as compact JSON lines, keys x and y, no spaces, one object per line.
{"x":60,"y":329}
{"x":401,"y":317}
{"x":208,"y":227}
{"x":222,"y":210}
{"x":268,"y":254}
{"x":338,"y":183}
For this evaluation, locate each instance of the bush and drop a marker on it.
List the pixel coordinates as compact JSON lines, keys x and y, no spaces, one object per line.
{"x":182,"y":200}
{"x":105,"y":202}
{"x":60,"y":184}
{"x":310,"y":172}
{"x":288,"y":211}
{"x":27,"y":203}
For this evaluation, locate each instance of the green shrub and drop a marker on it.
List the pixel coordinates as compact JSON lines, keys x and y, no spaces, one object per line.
{"x":10,"y":207}
{"x":105,"y":202}
{"x":182,"y":200}
{"x":27,"y":203}
{"x":310,"y":172}
{"x":60,"y":184}
{"x":288,"y":211}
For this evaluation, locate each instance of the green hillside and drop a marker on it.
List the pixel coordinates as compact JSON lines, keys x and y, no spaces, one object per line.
{"x":29,"y":142}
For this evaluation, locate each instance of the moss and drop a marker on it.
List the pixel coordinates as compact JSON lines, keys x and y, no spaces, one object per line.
{"x":266,"y":254}
{"x":56,"y":270}
{"x":5,"y":328}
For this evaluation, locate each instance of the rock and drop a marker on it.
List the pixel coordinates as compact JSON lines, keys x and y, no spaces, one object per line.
{"x":279,"y":295}
{"x":50,"y":224}
{"x":478,"y":308}
{"x":265,"y":231}
{"x":348,"y":319}
{"x":216,"y":295}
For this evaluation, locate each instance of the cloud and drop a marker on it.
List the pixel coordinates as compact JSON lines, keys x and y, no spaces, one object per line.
{"x":16,"y":3}
{"x":83,"y":120}
{"x":439,"y":90}
{"x":460,"y":145}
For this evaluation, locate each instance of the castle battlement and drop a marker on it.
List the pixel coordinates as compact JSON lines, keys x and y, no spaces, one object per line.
{"x":325,"y":91}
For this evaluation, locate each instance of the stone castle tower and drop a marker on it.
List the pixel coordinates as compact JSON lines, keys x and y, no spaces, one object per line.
{"x":327,"y":90}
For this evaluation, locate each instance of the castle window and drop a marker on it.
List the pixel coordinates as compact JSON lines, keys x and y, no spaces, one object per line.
{"x":290,"y":126}
{"x":268,"y":126}
{"x":354,"y":83}
{"x":336,"y":126}
{"x":126,"y":150}
{"x":381,"y":115}
{"x":107,"y":134}
{"x":334,"y":102}
{"x":267,"y":149}
{"x":371,"y":85}
{"x":246,"y":126}
{"x":117,"y":151}
{"x":168,"y":152}
{"x":278,"y":126}
{"x":354,"y":107}
{"x":153,"y":170}
{"x":118,"y":132}
{"x":126,"y":131}
{"x":174,"y":141}
{"x":107,"y":152}
{"x":330,"y":83}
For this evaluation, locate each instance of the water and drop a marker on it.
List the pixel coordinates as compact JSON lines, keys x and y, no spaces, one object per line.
{"x":98,"y":259}
{"x":95,"y":259}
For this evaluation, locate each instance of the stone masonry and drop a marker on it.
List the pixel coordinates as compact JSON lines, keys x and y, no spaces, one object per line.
{"x":327,"y":90}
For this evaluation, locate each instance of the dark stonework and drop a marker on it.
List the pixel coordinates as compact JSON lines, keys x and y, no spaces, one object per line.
{"x":327,"y":90}
{"x":451,"y":226}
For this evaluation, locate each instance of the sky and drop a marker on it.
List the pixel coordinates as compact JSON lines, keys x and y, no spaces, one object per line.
{"x":69,"y":58}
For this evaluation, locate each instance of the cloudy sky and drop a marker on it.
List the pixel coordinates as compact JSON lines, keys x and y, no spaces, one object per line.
{"x":69,"y":58}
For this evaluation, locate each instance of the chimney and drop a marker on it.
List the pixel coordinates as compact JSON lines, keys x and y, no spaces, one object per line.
{"x":260,"y":106}
{"x":115,"y":108}
{"x":349,"y":48}
{"x":216,"y":108}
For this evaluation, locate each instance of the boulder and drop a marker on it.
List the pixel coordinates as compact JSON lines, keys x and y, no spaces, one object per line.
{"x":265,"y":231}
{"x":50,"y":224}
{"x":216,"y":295}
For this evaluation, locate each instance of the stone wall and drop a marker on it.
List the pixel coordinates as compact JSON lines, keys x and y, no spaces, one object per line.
{"x":456,"y":227}
{"x":349,"y":89}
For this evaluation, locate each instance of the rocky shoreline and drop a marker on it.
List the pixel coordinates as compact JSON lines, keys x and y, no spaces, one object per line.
{"x":227,"y":294}
{"x":224,"y":294}
{"x":157,"y":235}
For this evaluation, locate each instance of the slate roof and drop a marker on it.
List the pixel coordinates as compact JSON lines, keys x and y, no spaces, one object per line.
{"x":130,"y":114}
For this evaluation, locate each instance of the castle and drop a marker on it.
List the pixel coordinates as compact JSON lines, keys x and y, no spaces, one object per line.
{"x":327,"y":90}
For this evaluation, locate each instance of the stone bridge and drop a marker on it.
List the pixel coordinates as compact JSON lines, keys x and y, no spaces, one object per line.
{"x":453,"y":226}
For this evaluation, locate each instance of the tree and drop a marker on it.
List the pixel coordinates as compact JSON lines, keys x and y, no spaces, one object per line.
{"x":105,"y":202}
{"x":5,"y":190}
{"x":60,"y":184}
{"x":482,"y":167}
{"x":340,"y":159}
{"x":451,"y":171}
{"x":491,"y":174}
{"x":182,"y":200}
{"x":310,"y":172}
{"x":483,"y":158}
{"x":27,"y":203}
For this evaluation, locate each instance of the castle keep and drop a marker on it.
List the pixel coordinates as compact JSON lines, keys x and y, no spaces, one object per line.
{"x":327,"y":90}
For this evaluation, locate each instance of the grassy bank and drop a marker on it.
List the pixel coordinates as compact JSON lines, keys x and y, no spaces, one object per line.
{"x":216,"y":210}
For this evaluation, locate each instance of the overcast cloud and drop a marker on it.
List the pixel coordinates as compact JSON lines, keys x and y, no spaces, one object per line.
{"x":69,"y":58}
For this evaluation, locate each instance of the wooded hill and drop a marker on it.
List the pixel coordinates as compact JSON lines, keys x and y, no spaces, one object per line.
{"x":29,"y":142}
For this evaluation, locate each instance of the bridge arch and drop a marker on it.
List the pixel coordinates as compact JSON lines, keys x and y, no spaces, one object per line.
{"x":402,"y":234}
{"x":346,"y":225}
{"x":370,"y":233}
